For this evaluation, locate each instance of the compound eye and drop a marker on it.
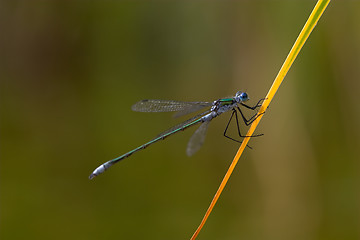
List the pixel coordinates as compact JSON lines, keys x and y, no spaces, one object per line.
{"x":244,"y":96}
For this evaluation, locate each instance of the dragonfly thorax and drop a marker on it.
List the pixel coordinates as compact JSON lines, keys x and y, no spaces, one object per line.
{"x":219,"y":106}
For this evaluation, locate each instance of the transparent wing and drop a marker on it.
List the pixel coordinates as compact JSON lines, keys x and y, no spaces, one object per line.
{"x":197,"y":139}
{"x":169,"y":106}
{"x":183,"y":123}
{"x":191,"y":109}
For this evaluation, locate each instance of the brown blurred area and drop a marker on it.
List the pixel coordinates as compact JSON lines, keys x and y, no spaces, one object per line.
{"x":70,"y":71}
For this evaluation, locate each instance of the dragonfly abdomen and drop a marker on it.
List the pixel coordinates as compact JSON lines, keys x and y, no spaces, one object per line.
{"x":102,"y":168}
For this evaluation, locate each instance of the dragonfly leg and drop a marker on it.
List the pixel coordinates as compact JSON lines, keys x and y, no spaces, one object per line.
{"x":238,"y":128}
{"x":250,"y":120}
{"x":227,"y":126}
{"x":254,"y":107}
{"x":243,"y":136}
{"x":255,"y":116}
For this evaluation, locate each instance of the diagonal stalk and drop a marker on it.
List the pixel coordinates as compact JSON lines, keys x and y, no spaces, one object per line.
{"x":300,"y":41}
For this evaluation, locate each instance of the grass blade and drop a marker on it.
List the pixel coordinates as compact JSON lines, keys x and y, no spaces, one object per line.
{"x":299,"y":43}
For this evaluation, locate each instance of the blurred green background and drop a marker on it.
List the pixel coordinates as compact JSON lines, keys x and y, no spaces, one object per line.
{"x":70,"y":71}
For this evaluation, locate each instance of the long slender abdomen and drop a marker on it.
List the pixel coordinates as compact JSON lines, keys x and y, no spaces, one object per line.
{"x":103,"y":167}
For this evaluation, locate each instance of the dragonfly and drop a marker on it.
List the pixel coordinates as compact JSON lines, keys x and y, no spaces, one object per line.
{"x":217,"y":107}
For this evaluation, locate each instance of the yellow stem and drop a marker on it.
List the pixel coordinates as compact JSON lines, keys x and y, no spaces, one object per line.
{"x":303,"y":36}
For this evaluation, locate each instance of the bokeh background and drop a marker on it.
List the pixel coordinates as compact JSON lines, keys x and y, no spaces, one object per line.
{"x":70,"y":71}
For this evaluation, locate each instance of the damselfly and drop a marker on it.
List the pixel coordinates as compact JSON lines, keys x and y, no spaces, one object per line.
{"x":182,"y":108}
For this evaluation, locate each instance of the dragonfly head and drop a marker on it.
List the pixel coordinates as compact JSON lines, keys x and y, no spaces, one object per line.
{"x":241,"y":97}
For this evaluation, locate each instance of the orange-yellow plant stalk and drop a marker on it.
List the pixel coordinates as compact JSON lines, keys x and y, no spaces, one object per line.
{"x":303,"y":36}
